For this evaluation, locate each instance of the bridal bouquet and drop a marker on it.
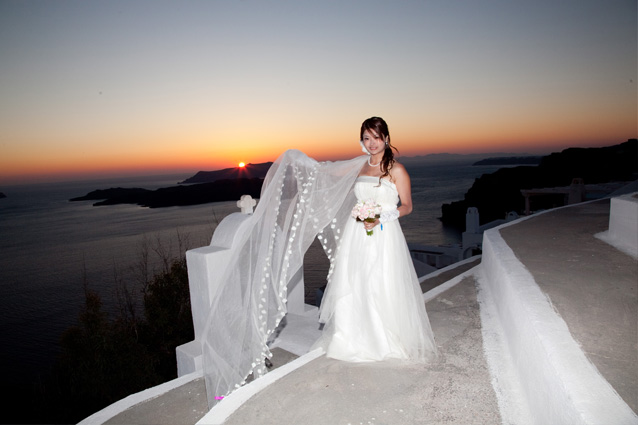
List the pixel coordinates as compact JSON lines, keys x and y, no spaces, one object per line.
{"x":367,"y":210}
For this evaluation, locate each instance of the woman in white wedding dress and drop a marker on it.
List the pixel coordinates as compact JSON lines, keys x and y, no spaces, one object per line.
{"x":373,"y":308}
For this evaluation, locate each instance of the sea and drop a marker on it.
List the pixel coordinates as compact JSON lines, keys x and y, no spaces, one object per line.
{"x":51,"y":249}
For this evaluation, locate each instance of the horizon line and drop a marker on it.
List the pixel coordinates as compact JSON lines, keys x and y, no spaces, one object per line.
{"x":70,"y":177}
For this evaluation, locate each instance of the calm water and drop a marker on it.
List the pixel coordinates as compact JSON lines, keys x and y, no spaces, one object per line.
{"x":50,"y":246}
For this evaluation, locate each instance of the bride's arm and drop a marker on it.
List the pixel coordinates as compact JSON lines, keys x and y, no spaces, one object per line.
{"x":402,"y":182}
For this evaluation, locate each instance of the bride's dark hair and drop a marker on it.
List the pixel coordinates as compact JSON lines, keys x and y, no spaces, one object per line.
{"x":379,"y":126}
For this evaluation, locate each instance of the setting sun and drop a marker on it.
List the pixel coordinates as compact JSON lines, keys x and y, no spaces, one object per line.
{"x":241,"y":165}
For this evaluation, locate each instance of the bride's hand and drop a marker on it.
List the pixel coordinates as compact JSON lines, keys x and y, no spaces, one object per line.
{"x":370,"y":226}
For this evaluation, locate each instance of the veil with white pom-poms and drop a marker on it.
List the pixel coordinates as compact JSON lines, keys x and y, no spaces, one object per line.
{"x":300,"y":199}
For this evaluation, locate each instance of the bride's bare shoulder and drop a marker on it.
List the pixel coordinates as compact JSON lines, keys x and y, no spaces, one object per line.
{"x":398,"y":172}
{"x":399,"y":166}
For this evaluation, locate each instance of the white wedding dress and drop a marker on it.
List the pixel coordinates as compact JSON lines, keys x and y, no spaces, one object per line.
{"x":373,"y":308}
{"x":373,"y":302}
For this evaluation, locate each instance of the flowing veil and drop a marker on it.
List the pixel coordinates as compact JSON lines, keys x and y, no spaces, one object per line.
{"x":300,"y":199}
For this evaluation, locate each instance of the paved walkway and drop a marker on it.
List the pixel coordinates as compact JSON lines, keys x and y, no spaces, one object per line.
{"x":592,"y":285}
{"x":455,"y":389}
{"x":185,"y":405}
{"x":431,"y":282}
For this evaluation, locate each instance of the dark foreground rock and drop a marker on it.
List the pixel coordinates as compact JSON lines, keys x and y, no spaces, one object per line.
{"x":498,"y":193}
{"x":2,"y":195}
{"x":218,"y":191}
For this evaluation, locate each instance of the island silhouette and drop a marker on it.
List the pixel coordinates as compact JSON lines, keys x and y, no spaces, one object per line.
{"x":493,"y":194}
{"x":227,"y":184}
{"x":217,"y":191}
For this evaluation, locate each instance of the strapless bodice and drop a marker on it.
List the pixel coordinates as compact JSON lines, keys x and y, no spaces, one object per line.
{"x":385,"y":194}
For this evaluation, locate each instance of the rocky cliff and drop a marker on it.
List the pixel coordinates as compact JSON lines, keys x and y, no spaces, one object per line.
{"x":498,"y":193}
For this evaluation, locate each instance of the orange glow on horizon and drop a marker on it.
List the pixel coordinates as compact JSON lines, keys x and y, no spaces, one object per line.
{"x":51,"y":165}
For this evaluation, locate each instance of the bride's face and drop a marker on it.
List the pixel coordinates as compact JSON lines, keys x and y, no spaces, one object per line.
{"x":373,"y":142}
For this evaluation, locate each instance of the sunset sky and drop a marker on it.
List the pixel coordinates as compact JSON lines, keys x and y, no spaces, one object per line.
{"x":96,"y":88}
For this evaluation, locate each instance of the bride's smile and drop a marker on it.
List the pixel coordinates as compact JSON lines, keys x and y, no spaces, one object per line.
{"x":373,"y":143}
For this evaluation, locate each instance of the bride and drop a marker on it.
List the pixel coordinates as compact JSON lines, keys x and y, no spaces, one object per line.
{"x":373,"y":308}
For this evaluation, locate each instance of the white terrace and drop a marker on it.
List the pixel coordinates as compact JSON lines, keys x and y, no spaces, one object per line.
{"x":543,"y":329}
